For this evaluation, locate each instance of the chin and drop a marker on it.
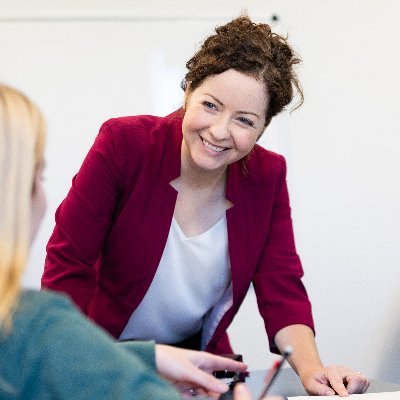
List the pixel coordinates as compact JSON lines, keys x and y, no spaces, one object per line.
{"x":211,"y":167}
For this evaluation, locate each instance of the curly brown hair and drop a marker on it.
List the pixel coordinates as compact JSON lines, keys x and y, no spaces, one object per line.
{"x":254,"y":50}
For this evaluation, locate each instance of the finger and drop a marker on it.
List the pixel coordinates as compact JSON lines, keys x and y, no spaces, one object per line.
{"x":356,"y":383}
{"x":200,"y":392}
{"x":199,"y":378}
{"x":212,"y":362}
{"x":320,"y":389}
{"x":183,"y":387}
{"x":196,"y":393}
{"x":187,"y":394}
{"x":366,"y":386}
{"x":241,"y":392}
{"x":336,"y":382}
{"x":203,"y":395}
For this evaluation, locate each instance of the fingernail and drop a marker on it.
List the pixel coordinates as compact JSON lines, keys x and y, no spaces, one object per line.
{"x":330,"y":393}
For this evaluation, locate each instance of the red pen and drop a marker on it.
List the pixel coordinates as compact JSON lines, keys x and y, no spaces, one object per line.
{"x":273,"y":372}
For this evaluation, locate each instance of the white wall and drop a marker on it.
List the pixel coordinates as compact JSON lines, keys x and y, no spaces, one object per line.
{"x":86,"y":61}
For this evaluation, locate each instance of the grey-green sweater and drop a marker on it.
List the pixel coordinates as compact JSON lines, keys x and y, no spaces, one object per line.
{"x":54,"y":352}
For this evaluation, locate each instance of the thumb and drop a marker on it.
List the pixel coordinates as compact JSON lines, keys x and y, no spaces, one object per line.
{"x":241,"y":392}
{"x":205,"y":380}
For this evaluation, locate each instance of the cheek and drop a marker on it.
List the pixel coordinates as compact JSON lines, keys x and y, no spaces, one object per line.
{"x":39,"y":206}
{"x":245,"y":142}
{"x":195,"y":119}
{"x":41,"y":202}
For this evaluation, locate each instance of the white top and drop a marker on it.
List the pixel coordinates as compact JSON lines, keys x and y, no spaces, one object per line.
{"x":193,"y":275}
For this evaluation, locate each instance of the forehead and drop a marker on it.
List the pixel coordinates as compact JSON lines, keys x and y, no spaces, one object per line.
{"x":236,"y":89}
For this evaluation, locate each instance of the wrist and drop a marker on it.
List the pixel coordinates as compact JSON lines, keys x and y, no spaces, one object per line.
{"x":307,"y":368}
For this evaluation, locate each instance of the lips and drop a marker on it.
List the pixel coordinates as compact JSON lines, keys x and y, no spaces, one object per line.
{"x":213,"y":147}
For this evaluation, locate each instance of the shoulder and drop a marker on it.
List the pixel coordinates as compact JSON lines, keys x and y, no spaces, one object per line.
{"x":129,"y":144}
{"x":35,"y":314}
{"x":47,"y":326}
{"x":141,"y":129}
{"x":260,"y":178}
{"x":130,"y":124}
{"x":263,"y":164}
{"x":32,"y":302}
{"x":36,"y":311}
{"x":262,"y":155}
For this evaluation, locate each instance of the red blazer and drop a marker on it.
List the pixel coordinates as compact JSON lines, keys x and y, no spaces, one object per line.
{"x":112,"y":227}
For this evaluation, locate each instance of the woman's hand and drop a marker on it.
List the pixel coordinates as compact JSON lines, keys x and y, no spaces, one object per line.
{"x":334,"y":379}
{"x":317,"y":379}
{"x":191,"y":370}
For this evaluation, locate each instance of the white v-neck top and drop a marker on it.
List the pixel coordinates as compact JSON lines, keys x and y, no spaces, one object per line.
{"x":193,"y":275}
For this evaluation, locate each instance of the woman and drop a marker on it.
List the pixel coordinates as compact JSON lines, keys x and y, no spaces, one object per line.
{"x":47,"y":348}
{"x":170,"y":219}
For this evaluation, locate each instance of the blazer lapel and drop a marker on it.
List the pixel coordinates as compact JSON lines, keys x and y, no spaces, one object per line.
{"x":163,"y":199}
{"x":238,"y":237}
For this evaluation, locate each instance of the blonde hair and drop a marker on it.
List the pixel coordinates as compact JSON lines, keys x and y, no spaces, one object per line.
{"x":22,"y":136}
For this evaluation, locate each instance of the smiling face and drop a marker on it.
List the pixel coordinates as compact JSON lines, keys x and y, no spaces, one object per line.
{"x":224,"y":116}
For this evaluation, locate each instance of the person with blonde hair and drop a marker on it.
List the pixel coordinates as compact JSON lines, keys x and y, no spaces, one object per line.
{"x":22,"y":136}
{"x":48,"y":349}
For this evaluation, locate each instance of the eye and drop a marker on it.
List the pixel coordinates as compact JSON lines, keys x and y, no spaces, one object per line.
{"x":246,"y":121}
{"x":209,"y":105}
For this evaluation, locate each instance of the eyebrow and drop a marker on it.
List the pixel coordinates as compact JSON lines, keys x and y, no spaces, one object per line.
{"x":240,"y":111}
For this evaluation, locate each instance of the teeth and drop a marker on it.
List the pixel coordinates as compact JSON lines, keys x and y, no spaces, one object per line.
{"x":212,"y":147}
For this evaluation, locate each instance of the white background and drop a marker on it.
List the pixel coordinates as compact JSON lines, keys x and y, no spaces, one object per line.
{"x":86,"y":61}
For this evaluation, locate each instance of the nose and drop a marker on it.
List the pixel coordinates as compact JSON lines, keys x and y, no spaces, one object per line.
{"x":219,"y":128}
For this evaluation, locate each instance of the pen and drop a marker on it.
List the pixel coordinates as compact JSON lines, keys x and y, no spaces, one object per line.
{"x":273,"y":372}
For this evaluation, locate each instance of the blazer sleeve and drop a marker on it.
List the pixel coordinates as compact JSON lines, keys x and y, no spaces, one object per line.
{"x":84,"y":218}
{"x":281,"y":296}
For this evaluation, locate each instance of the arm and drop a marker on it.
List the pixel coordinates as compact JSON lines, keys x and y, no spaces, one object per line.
{"x":284,"y":305}
{"x":317,"y":379}
{"x":281,"y":296}
{"x":62,"y":355}
{"x":84,"y":218}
